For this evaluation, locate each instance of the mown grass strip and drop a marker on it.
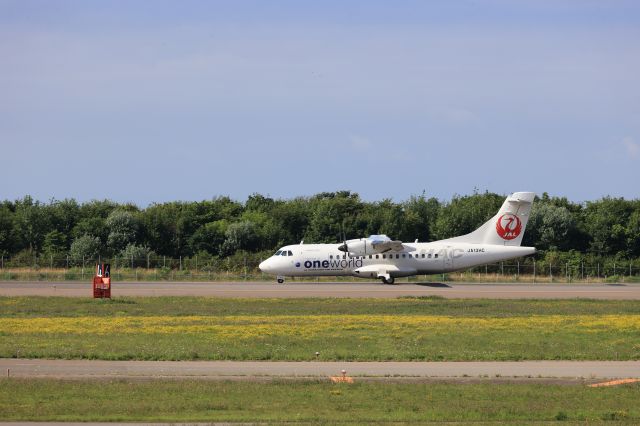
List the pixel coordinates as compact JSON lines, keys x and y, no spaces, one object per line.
{"x":429,"y":305}
{"x":315,"y":402}
{"x":225,"y":334}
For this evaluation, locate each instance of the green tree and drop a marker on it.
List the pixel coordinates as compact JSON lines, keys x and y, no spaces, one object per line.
{"x":94,"y":226}
{"x":84,"y":248}
{"x":606,"y":222}
{"x":465,"y":214}
{"x":240,"y":236}
{"x":290,"y":220}
{"x":420,"y":218}
{"x":135,"y":255}
{"x":31,"y":223}
{"x":63,"y":215}
{"x":633,"y":232}
{"x":334,"y":214}
{"x":549,"y":227}
{"x":209,"y":238}
{"x":55,"y":242}
{"x":260,"y":203}
{"x":8,"y":241}
{"x":159,"y":223}
{"x":123,"y":229}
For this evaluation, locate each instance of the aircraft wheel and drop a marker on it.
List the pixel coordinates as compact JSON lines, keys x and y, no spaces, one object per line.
{"x":388,"y":281}
{"x":280,"y":280}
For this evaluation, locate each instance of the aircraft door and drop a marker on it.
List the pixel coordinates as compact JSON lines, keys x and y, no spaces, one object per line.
{"x":447,"y":258}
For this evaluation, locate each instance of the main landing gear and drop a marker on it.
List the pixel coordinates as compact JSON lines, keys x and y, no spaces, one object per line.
{"x":389,"y":280}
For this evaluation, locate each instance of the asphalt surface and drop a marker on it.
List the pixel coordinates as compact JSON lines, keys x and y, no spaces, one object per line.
{"x":344,"y":289}
{"x":79,"y":369}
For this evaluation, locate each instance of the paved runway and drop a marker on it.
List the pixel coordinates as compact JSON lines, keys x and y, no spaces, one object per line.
{"x":345,"y":289}
{"x":256,"y":369}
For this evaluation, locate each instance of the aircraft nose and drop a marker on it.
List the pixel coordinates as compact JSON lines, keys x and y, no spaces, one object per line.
{"x":265,"y":266}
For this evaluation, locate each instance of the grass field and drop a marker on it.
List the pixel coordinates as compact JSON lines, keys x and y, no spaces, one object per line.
{"x":313,"y":402}
{"x":511,"y":275}
{"x":430,"y":329}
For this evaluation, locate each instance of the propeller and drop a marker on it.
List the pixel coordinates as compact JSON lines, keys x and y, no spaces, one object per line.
{"x":344,"y":247}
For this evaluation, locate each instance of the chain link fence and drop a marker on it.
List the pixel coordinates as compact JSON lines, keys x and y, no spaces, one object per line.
{"x":48,"y":268}
{"x":244,"y":266}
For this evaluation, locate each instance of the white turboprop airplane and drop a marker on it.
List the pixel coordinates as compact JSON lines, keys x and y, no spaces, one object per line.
{"x":380,"y":257}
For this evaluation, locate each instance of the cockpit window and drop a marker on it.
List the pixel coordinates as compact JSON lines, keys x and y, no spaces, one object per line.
{"x":278,"y":253}
{"x":289,"y":253}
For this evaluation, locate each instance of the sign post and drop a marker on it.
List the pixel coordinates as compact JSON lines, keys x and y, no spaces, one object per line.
{"x":102,"y":281}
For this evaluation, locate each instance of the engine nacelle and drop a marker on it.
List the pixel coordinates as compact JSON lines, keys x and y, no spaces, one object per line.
{"x":371,"y":245}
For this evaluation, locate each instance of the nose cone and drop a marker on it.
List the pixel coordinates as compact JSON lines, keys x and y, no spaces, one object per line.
{"x":266,"y":266}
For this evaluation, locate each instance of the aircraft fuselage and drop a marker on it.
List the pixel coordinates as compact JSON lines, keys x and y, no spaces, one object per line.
{"x":416,"y":258}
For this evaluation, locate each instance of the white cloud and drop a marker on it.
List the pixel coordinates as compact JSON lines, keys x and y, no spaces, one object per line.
{"x":633,"y":148}
{"x":360,"y":142}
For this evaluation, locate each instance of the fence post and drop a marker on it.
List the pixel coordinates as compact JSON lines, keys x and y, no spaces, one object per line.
{"x":582,"y":266}
{"x":83,"y":267}
{"x":148,"y":255}
{"x":502,"y":268}
{"x":598,"y":270}
{"x":196,"y":263}
{"x":181,"y":263}
{"x":550,"y":273}
{"x":614,"y":268}
{"x":518,"y":270}
{"x":2,"y":263}
{"x":629,"y":269}
{"x":566,"y":269}
{"x":534,"y":271}
{"x":132,"y":261}
{"x":164,"y":261}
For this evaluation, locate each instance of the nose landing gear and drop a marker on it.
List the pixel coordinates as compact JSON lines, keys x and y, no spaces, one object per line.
{"x":280,"y":279}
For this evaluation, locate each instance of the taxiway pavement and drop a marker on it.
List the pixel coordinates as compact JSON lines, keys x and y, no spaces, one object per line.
{"x":86,"y":369}
{"x":323,"y":289}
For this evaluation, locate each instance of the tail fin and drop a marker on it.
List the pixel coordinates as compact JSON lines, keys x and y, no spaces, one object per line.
{"x":505,"y":228}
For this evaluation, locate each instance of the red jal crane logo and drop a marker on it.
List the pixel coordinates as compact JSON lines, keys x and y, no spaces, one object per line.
{"x":508,"y":226}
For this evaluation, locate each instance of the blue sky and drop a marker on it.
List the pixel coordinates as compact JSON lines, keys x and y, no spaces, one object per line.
{"x":151,"y":101}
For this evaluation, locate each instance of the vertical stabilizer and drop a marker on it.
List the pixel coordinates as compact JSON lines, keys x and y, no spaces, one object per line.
{"x":505,"y":228}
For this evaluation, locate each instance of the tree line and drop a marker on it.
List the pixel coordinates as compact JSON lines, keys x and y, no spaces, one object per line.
{"x":222,"y":227}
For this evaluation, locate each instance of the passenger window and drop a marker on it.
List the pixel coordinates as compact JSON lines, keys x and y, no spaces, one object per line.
{"x":423,"y":255}
{"x":370,"y":257}
{"x":435,"y":255}
{"x":397,"y":256}
{"x":429,"y":255}
{"x":377,"y":256}
{"x":404,"y":255}
{"x":384,"y":256}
